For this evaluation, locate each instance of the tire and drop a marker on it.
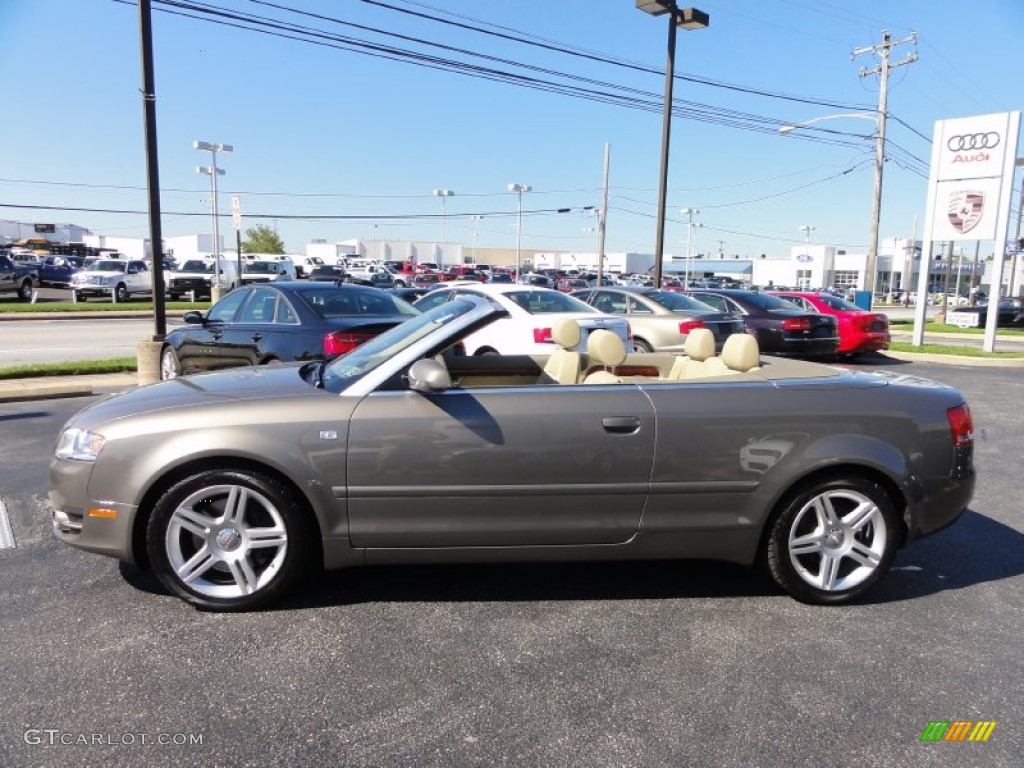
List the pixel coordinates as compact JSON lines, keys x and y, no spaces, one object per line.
{"x":25,"y":290}
{"x":639,"y":345}
{"x":79,"y":297}
{"x":229,"y":540}
{"x":833,"y":540}
{"x":121,"y":293}
{"x":170,"y":366}
{"x":172,"y":296}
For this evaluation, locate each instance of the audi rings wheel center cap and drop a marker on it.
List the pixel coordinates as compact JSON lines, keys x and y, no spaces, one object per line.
{"x":834,"y":537}
{"x":228,"y":539}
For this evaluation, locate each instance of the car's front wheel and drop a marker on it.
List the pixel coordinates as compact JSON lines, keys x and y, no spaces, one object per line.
{"x":121,"y":294}
{"x":833,"y":540}
{"x":229,"y":540}
{"x":170,"y":366}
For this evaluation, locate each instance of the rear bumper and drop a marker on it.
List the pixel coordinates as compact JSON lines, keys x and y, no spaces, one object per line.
{"x":823,"y":347}
{"x":870,"y":342}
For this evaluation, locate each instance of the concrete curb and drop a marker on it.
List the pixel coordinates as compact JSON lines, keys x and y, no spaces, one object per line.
{"x":52,"y":387}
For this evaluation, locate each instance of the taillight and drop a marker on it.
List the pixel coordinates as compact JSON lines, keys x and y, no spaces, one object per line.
{"x":962,"y":425}
{"x":542,"y":336}
{"x":340,"y":342}
{"x":688,"y":325}
{"x":797,"y":324}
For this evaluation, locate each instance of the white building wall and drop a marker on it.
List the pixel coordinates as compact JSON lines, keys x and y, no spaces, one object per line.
{"x":62,"y":233}
{"x":131,"y":247}
{"x":191,"y":246}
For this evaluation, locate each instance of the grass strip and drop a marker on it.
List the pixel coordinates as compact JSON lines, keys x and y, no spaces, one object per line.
{"x":946,"y":349}
{"x":74,"y":368}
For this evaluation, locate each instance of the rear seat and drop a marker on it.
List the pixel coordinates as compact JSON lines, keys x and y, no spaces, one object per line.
{"x":699,"y":346}
{"x":740,"y":354}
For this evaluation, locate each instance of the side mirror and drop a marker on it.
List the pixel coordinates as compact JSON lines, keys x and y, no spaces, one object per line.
{"x":193,"y":317}
{"x":429,"y":376}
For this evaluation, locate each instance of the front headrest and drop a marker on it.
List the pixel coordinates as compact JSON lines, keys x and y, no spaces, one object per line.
{"x":700,"y":344}
{"x":741,"y":352}
{"x":605,"y":348}
{"x":566,"y":333}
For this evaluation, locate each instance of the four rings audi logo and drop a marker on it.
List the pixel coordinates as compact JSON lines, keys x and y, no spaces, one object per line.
{"x":968,"y":141}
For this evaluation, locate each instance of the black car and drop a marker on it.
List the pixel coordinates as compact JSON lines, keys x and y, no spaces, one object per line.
{"x":326,"y":273}
{"x":383,"y":280}
{"x":411,"y":294}
{"x":781,"y":328}
{"x":280,"y":322}
{"x":1011,"y":314}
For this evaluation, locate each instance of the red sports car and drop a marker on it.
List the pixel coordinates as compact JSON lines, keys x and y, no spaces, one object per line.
{"x":860,"y":331}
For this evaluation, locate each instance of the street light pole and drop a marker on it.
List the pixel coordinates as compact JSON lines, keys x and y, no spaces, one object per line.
{"x":1016,"y":240}
{"x":444,"y":194}
{"x":476,"y":220}
{"x":519,"y":189}
{"x":213,"y":172}
{"x":687,"y":18}
{"x":806,"y":229}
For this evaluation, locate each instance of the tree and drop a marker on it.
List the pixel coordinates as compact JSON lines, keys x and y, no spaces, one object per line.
{"x":262,"y":239}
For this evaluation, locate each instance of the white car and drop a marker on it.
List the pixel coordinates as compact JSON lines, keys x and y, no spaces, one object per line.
{"x":118,"y":278}
{"x":532,"y":313}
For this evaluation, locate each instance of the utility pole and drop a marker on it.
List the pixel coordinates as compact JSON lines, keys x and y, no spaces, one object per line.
{"x":721,"y":249}
{"x":882,"y":50}
{"x":602,"y":217}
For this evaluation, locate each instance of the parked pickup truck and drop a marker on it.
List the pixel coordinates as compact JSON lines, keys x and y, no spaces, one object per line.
{"x":57,"y":270}
{"x":119,"y":278}
{"x":17,"y":278}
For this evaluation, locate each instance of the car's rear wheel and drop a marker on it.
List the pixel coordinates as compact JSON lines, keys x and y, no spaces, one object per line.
{"x":639,"y":345}
{"x":833,"y":540}
{"x":229,"y":540}
{"x":170,"y":366}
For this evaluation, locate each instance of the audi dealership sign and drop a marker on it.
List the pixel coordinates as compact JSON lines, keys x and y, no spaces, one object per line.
{"x":969,"y":183}
{"x":969,"y":191}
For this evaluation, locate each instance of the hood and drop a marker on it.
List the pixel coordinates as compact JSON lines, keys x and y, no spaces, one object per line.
{"x":217,"y":389}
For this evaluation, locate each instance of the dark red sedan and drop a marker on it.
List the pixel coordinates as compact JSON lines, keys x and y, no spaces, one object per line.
{"x":860,"y":331}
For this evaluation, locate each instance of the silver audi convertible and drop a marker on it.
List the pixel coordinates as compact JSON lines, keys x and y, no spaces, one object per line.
{"x":235,"y":485}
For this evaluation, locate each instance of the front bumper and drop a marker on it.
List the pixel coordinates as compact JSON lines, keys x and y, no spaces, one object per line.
{"x":101,"y":526}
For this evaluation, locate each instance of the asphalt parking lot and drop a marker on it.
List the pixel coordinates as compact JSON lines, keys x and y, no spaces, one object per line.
{"x":612,"y":664}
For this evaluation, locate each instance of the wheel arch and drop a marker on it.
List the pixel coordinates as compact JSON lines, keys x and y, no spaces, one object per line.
{"x":834,"y":472}
{"x":226,"y":463}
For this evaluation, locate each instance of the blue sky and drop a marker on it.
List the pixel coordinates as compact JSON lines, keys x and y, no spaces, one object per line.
{"x":326,"y":131}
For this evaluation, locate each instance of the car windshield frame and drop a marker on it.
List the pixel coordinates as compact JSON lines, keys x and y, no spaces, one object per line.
{"x":342,"y":372}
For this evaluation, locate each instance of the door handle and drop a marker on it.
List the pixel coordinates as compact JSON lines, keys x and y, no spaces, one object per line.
{"x":621,"y":425}
{"x":257,"y":336}
{"x":216,"y":335}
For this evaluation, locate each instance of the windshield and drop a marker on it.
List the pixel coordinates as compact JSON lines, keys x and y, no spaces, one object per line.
{"x":679,"y":303}
{"x":332,"y":301}
{"x":764,"y":301}
{"x":109,"y":266}
{"x":547,"y":302}
{"x":262,"y":267}
{"x":196,"y":265}
{"x":366,"y":357}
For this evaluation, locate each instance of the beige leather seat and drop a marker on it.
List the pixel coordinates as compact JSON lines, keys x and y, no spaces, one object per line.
{"x":699,"y":346}
{"x":739,"y":355}
{"x":606,"y":349}
{"x":564,"y":364}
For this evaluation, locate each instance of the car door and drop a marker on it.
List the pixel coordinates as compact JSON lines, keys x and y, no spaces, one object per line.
{"x":200,"y":348}
{"x":499,"y":466}
{"x":248,"y":335}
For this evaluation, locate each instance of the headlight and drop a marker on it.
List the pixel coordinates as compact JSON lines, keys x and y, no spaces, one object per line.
{"x":80,"y":445}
